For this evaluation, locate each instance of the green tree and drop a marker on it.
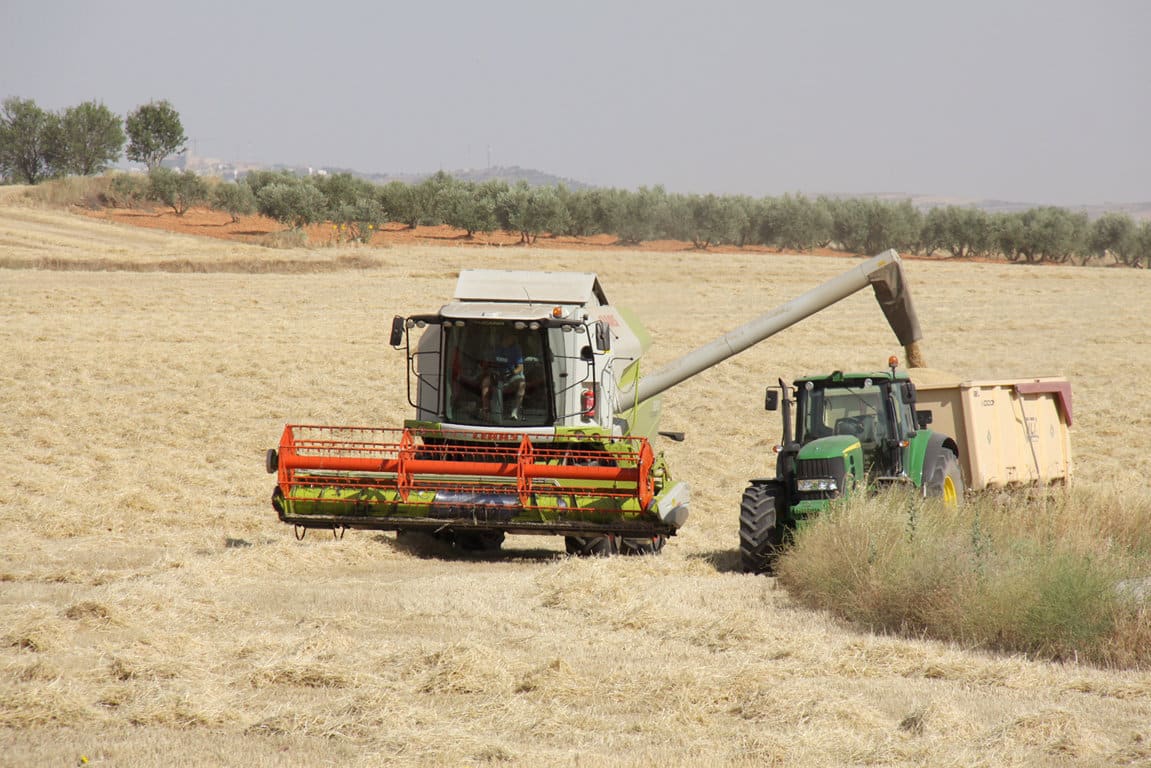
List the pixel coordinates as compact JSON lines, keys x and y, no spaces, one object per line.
{"x":257,"y":180}
{"x":871,"y":226}
{"x":704,"y":220}
{"x":295,"y":204}
{"x":398,"y":201}
{"x":752,"y":210}
{"x":181,"y":191}
{"x":1111,"y":233}
{"x":796,"y":223}
{"x":960,"y":231}
{"x":426,"y":197}
{"x":466,"y":207}
{"x":586,"y":213}
{"x":1139,"y":249}
{"x":154,"y":133}
{"x":635,"y":217}
{"x":236,"y":198}
{"x":531,"y":211}
{"x":26,"y":140}
{"x":91,"y":137}
{"x":341,"y":189}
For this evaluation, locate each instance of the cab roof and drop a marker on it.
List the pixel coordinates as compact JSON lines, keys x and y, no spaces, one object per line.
{"x":837,"y":376}
{"x":525,"y":287}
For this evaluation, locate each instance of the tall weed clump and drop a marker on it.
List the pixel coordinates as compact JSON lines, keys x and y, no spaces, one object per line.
{"x":68,"y":191}
{"x":1053,"y":574}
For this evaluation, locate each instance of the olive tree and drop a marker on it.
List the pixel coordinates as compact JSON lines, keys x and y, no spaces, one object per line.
{"x":465,"y":207}
{"x":181,"y":191}
{"x":26,"y":140}
{"x":960,"y":231}
{"x":530,"y":211}
{"x":295,"y":204}
{"x":398,"y":201}
{"x":91,"y":137}
{"x":634,"y":217}
{"x":235,"y":198}
{"x":1111,"y":233}
{"x":154,"y":133}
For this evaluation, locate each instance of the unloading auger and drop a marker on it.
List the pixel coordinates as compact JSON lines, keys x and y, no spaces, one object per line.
{"x":531,"y":418}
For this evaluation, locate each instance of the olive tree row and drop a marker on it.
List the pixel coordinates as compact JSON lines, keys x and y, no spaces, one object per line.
{"x":792,"y":222}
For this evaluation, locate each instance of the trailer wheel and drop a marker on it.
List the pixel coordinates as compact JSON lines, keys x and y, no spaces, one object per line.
{"x":592,"y":546}
{"x":760,"y":535}
{"x":946,"y":481}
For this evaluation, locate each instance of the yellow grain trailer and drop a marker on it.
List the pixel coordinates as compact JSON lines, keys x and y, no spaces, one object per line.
{"x":1009,"y":431}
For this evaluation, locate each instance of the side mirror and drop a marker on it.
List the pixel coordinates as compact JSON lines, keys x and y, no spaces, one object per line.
{"x":923,"y":418}
{"x":397,"y":331}
{"x":771,"y":400}
{"x":602,"y":336}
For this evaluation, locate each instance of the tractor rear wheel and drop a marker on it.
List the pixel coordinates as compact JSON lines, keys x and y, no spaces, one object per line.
{"x":760,"y":535}
{"x":946,"y":480}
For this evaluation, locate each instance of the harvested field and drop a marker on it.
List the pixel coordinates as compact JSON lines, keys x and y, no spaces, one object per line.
{"x":157,"y":613}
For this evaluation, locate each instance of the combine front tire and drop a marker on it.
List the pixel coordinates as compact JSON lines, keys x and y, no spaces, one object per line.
{"x":760,"y":535}
{"x":479,"y":541}
{"x":592,"y":546}
{"x":652,"y":545}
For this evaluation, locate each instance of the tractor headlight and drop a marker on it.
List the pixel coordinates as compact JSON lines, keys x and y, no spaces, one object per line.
{"x":817,"y":484}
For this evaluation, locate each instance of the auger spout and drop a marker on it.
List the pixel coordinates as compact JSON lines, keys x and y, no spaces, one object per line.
{"x":883,"y":272}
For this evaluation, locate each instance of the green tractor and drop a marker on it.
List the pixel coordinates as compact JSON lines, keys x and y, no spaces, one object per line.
{"x":852,"y":432}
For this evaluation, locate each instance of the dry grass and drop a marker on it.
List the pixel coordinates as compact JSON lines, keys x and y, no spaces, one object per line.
{"x":138,"y":629}
{"x":1058,"y":575}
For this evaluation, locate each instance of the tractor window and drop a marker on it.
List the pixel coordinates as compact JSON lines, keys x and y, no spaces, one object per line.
{"x":843,"y":410}
{"x":496,"y":375}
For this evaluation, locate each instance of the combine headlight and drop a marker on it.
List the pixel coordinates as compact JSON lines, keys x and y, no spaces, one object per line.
{"x":817,"y":484}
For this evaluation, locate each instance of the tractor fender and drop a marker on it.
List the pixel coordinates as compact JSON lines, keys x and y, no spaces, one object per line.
{"x":927,"y":453}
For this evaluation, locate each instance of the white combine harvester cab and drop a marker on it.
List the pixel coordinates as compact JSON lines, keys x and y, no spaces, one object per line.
{"x":529,"y":351}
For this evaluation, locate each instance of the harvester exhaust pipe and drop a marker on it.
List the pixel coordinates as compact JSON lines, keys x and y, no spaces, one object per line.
{"x":883,"y":272}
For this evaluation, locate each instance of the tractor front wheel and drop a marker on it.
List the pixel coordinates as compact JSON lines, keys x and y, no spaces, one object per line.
{"x":760,"y":534}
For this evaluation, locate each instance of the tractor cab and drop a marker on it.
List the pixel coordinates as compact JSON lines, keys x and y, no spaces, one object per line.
{"x":850,"y":429}
{"x":877,"y":410}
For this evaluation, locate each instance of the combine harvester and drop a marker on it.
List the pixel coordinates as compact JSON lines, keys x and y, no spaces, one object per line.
{"x":531,"y":418}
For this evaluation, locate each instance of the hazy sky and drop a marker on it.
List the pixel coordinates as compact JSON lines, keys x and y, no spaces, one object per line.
{"x":1041,"y":101}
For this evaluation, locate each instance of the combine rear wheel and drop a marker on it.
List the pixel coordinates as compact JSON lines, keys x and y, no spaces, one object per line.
{"x":760,"y":535}
{"x":592,"y":546}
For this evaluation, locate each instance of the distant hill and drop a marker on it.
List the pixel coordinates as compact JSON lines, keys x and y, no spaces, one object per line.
{"x":512,"y":174}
